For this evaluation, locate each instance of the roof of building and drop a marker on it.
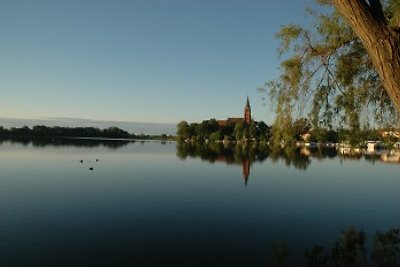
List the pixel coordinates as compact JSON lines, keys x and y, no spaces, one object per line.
{"x":234,"y":120}
{"x":229,"y":121}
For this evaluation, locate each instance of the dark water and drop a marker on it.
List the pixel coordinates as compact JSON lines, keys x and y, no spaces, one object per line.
{"x":163,"y":204}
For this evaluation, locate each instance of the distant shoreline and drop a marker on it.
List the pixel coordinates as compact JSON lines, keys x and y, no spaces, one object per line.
{"x":148,"y":128}
{"x":81,"y":133}
{"x":86,"y":138}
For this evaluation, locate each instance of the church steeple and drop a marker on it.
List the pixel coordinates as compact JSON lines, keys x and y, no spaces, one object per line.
{"x":247,"y":112}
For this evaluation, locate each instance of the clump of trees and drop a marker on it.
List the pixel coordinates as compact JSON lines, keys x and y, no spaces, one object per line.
{"x":210,"y":130}
{"x":57,"y":131}
{"x":40,"y":131}
{"x":301,"y":129}
{"x":343,"y":72}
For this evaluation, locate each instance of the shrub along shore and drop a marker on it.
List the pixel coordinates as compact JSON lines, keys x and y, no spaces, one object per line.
{"x":41,"y":131}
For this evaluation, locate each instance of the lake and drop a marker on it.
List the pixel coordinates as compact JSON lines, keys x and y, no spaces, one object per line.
{"x":169,"y":204}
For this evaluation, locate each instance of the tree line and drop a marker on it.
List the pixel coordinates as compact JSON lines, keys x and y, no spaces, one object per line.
{"x":301,"y":129}
{"x":40,"y":131}
{"x":298,"y":129}
{"x":57,"y":131}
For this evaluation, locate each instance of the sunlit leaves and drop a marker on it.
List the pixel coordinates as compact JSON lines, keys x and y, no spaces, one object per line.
{"x":393,"y":13}
{"x":287,"y":35}
{"x":327,"y":74}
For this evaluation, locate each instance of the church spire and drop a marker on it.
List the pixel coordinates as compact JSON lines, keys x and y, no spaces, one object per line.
{"x":247,"y":112}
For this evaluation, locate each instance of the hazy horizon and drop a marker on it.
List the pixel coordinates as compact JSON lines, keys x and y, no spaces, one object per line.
{"x":151,"y":128}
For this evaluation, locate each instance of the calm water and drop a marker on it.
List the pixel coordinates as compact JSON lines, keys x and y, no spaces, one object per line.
{"x":159,"y":204}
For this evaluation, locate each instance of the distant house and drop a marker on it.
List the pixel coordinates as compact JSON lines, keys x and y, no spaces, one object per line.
{"x":232,"y":121}
{"x":394,"y":133}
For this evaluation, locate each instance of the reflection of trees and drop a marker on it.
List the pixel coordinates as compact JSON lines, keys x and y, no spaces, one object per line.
{"x":290,"y":156}
{"x":240,"y":154}
{"x":44,"y":142}
{"x":348,"y":251}
{"x":386,"y":248}
{"x":372,"y":158}
{"x":316,"y":257}
{"x":253,"y":152}
{"x":279,"y":255}
{"x":231,"y":154}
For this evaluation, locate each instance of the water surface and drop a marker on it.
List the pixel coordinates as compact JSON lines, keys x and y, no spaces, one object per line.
{"x":163,"y":204}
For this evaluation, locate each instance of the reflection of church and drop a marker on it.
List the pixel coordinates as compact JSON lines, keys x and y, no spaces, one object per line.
{"x":246,"y":170}
{"x":246,"y":165}
{"x":232,"y":121}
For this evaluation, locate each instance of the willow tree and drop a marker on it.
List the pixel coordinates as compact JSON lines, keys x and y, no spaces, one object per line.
{"x":344,"y":69}
{"x":380,"y":38}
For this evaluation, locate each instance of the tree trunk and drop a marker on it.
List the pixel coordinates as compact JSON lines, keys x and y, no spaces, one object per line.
{"x":380,"y":40}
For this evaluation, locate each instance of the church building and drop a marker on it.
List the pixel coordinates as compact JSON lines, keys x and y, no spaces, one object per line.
{"x":232,"y":121}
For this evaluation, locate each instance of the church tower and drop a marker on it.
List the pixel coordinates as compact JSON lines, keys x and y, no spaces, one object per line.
{"x":247,"y":112}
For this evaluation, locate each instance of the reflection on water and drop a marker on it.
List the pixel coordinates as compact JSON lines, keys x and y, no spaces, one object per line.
{"x":246,"y":154}
{"x":58,"y":142}
{"x":157,"y":204}
{"x":350,"y":250}
{"x":243,"y":155}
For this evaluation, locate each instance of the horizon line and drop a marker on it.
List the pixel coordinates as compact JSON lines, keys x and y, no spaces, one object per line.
{"x":72,"y":119}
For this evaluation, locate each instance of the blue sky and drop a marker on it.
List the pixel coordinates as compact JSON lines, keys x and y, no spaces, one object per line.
{"x":139,"y":60}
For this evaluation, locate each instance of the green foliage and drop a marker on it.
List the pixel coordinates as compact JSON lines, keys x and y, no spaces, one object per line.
{"x":210,"y":130}
{"x":216,"y":136}
{"x":239,"y":131}
{"x":393,"y":13}
{"x":301,"y":126}
{"x":57,"y":131}
{"x":327,"y":75}
{"x":183,"y":131}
